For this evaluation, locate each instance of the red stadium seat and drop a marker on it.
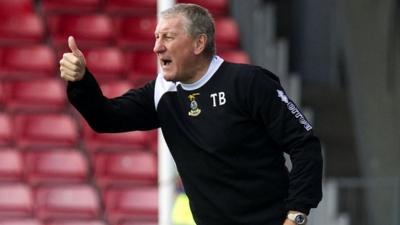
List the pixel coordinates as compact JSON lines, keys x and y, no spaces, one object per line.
{"x":142,"y":66}
{"x":2,"y":95}
{"x":126,"y":167}
{"x":73,"y":6}
{"x":21,"y":29}
{"x":131,"y":7}
{"x":67,"y":202}
{"x":11,"y":167}
{"x":27,"y":62}
{"x":56,"y":166}
{"x":216,"y":7}
{"x":126,"y":140}
{"x":36,"y":95}
{"x":227,"y":33}
{"x":15,"y":200}
{"x":77,"y":222}
{"x":236,"y":56}
{"x":88,"y":30}
{"x":14,"y":7}
{"x":20,"y":222}
{"x":138,"y":223}
{"x":45,"y":130}
{"x":6,"y":130}
{"x":136,"y":32}
{"x":105,"y":63}
{"x":131,"y":204}
{"x":112,"y":89}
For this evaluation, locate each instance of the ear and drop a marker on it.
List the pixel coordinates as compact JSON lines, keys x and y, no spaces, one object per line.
{"x":200,"y":44}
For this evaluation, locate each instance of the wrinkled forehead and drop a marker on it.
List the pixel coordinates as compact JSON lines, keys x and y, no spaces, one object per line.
{"x":171,"y":23}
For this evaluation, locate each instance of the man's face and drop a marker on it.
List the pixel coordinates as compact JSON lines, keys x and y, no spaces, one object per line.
{"x":175,"y":49}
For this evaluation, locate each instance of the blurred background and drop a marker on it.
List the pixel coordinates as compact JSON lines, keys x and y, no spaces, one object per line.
{"x":337,"y":59}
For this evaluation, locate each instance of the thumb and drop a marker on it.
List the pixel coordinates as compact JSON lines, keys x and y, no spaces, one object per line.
{"x":72,"y":45}
{"x":74,"y":48}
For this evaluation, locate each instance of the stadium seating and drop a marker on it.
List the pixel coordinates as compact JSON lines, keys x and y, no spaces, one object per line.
{"x":131,"y":7}
{"x":136,"y":32}
{"x":11,"y":165}
{"x":77,"y":222}
{"x":27,"y":62}
{"x":45,"y":130}
{"x":2,"y":95}
{"x":16,"y":200}
{"x":138,"y":140}
{"x":6,"y":130}
{"x":138,"y":223}
{"x":125,"y":167}
{"x":105,"y":63}
{"x":218,"y":8}
{"x":88,"y":30}
{"x":131,"y":203}
{"x":236,"y":56}
{"x":14,"y":7}
{"x":112,"y":89}
{"x":20,"y":221}
{"x":43,"y":147}
{"x":227,"y":33}
{"x":142,"y":66}
{"x":67,"y":202}
{"x":39,"y":95}
{"x":21,"y":29}
{"x":73,"y":6}
{"x":56,"y":166}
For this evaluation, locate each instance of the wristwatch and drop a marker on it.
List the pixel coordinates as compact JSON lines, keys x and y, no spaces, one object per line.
{"x":298,"y":218}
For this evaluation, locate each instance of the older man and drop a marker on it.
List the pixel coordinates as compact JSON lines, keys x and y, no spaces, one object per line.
{"x":227,"y":125}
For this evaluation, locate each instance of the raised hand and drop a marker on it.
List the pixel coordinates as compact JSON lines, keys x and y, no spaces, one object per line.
{"x":72,"y":64}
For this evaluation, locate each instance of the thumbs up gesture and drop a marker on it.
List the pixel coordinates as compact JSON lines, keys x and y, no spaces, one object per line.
{"x":72,"y":64}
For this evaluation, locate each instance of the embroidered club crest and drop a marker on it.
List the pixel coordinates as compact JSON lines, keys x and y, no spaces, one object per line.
{"x":194,"y":107}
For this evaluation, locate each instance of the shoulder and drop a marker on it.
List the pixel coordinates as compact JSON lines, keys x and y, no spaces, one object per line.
{"x":249,"y":74}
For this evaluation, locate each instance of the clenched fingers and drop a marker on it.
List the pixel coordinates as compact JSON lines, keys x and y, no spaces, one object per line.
{"x":72,"y":68}
{"x":72,"y":64}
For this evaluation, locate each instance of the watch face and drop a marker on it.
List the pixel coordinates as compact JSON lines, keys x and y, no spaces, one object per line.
{"x":300,"y":219}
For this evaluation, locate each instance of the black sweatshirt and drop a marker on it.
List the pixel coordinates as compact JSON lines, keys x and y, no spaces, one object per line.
{"x":227,"y":134}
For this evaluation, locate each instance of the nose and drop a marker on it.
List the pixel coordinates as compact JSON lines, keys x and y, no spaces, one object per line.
{"x":158,"y":47}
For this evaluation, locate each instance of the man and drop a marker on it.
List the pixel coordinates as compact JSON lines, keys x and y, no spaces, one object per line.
{"x":227,"y":125}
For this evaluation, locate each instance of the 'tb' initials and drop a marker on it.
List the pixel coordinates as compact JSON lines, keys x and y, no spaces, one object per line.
{"x":221,"y":98}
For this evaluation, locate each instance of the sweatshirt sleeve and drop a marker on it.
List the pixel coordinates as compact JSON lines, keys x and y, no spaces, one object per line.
{"x":131,"y":111}
{"x":291,"y":131}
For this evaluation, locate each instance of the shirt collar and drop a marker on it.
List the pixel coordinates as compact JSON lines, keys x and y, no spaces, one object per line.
{"x":213,"y":67}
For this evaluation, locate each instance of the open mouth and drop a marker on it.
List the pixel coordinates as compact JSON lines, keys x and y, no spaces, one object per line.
{"x":165,"y":62}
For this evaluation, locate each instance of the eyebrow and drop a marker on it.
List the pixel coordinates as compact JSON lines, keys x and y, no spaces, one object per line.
{"x":166,"y":32}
